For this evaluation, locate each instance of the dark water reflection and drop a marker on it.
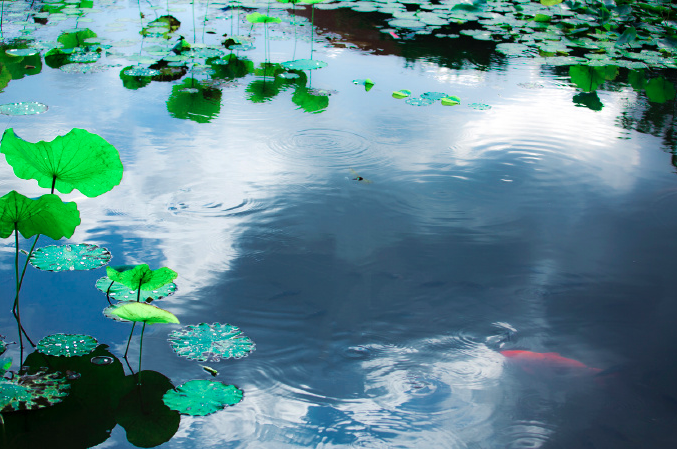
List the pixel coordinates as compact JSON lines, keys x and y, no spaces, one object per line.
{"x":379,"y":309}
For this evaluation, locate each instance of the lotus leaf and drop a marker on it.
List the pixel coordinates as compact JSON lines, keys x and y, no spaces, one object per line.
{"x":200,"y":106}
{"x":479,"y":106}
{"x":419,"y":101}
{"x":142,"y":277}
{"x":67,"y":345}
{"x":589,"y":100}
{"x":628,"y":36}
{"x":78,"y":160}
{"x":32,"y":391}
{"x":139,"y":311}
{"x":589,"y":78}
{"x":82,"y":256}
{"x":202,"y":397}
{"x":76,"y":38}
{"x":434,"y":95}
{"x":257,"y":17}
{"x":404,"y":93}
{"x":309,"y":100}
{"x":367,"y":83}
{"x":47,"y":215}
{"x":450,"y":101}
{"x":24,"y":108}
{"x":121,"y":292}
{"x":6,"y":364}
{"x":211,"y":342}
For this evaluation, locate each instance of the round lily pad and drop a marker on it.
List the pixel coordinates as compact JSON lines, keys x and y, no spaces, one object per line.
{"x":141,"y":71}
{"x":304,"y":64}
{"x":419,"y":101}
{"x":32,"y":391}
{"x":121,"y":292}
{"x":211,"y":342}
{"x":67,"y":345}
{"x":434,"y":95}
{"x":202,"y":397}
{"x":22,"y":51}
{"x":404,"y":93}
{"x":81,"y":256}
{"x":479,"y":106}
{"x":23,"y":108}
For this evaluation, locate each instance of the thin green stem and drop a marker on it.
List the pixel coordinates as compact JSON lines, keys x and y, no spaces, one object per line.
{"x":129,"y":340}
{"x":140,"y":350}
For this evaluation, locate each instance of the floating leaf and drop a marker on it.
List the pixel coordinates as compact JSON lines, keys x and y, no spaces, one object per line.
{"x":81,"y":256}
{"x":551,"y":2}
{"x":76,"y":38}
{"x":479,"y":106}
{"x":200,"y":106}
{"x":32,"y":391}
{"x":24,"y":108}
{"x":22,"y":51}
{"x":257,"y":17}
{"x":142,"y":277}
{"x":139,"y":312}
{"x":404,"y":93}
{"x":211,"y":342}
{"x":628,"y":36}
{"x":47,"y":215}
{"x":67,"y":345}
{"x":6,"y":364}
{"x":434,"y":95}
{"x":367,"y":83}
{"x":304,"y":64}
{"x":659,"y":90}
{"x":78,"y":160}
{"x":121,"y":292}
{"x":202,"y":397}
{"x":589,"y":78}
{"x":419,"y":101}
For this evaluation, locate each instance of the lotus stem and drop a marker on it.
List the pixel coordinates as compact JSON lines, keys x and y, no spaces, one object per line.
{"x":129,"y":340}
{"x":53,"y":183}
{"x":138,"y":381}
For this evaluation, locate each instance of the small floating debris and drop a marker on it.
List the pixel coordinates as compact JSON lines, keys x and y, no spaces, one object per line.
{"x":24,"y":108}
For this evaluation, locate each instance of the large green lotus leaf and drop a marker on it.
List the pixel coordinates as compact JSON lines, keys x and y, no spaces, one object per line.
{"x":81,"y":256}
{"x":47,"y":215}
{"x":193,"y":101}
{"x":139,"y":312}
{"x":304,"y":64}
{"x":659,"y":90}
{"x":202,"y":397}
{"x":257,"y":17}
{"x":146,"y":419}
{"x":78,"y":160}
{"x":211,"y":342}
{"x":32,"y":391}
{"x":67,"y":345}
{"x":142,"y":277}
{"x":76,"y":38}
{"x":121,"y":292}
{"x":589,"y":78}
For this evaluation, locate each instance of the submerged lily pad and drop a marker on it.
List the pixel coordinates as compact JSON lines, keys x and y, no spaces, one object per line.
{"x":419,"y":101}
{"x":32,"y":391}
{"x":479,"y":106}
{"x":82,"y":256}
{"x":78,"y":160}
{"x":141,"y":71}
{"x":434,"y":95}
{"x":304,"y":64}
{"x":67,"y":345}
{"x":211,"y":342}
{"x":202,"y":397}
{"x":139,"y":312}
{"x":23,"y":108}
{"x":121,"y":292}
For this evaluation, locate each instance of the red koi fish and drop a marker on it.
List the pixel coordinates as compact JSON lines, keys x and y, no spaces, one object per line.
{"x":548,"y":361}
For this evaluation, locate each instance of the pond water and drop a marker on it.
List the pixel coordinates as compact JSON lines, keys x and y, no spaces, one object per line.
{"x":380,"y":254}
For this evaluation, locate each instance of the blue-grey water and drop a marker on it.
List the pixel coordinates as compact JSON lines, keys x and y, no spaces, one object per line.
{"x":378,"y":306}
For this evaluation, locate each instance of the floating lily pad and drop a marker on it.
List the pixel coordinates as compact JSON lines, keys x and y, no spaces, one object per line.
{"x":22,"y":51}
{"x":139,"y":312}
{"x":23,"y":108}
{"x":404,"y":93}
{"x":141,"y":71}
{"x":211,"y":342}
{"x":47,"y":215}
{"x":479,"y":106}
{"x":67,"y":345}
{"x":257,"y":17}
{"x":78,"y":160}
{"x":434,"y":95}
{"x":202,"y":397}
{"x":32,"y":391}
{"x":121,"y":292}
{"x":304,"y":64}
{"x":81,"y":256}
{"x":419,"y":101}
{"x":367,"y":83}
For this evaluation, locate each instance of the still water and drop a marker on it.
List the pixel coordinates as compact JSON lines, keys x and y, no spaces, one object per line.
{"x":379,"y":254}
